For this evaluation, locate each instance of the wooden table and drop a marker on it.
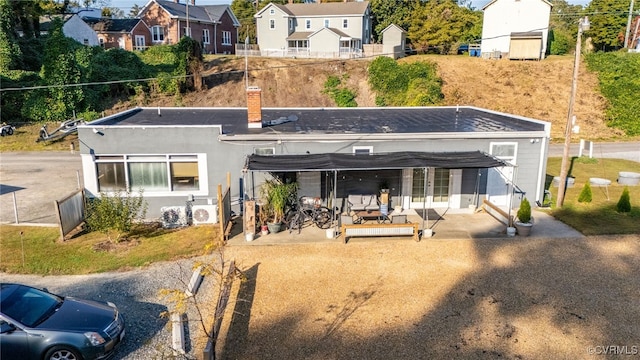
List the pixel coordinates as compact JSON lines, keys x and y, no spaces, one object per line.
{"x":377,"y":215}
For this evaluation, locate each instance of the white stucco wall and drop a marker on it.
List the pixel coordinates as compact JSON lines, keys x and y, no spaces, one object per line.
{"x":502,"y":17}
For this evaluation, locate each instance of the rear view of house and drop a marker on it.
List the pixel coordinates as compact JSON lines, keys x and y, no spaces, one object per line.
{"x":316,"y":30}
{"x":515,"y":29}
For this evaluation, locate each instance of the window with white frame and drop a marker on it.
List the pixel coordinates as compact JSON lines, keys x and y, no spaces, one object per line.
{"x":272,"y":24}
{"x":363,"y":150}
{"x":272,"y":12}
{"x":505,"y":151}
{"x":226,"y":38}
{"x":345,"y":23}
{"x":157,"y":34}
{"x":326,"y":23}
{"x":307,"y":24}
{"x":186,"y":31}
{"x":101,"y":41}
{"x":205,"y":36}
{"x":291,"y":24}
{"x":152,"y":173}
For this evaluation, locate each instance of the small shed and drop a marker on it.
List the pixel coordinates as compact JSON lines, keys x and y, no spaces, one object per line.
{"x":393,"y":41}
{"x":526,"y":46}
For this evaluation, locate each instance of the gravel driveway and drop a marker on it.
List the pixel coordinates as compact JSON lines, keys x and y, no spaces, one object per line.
{"x":136,"y":293}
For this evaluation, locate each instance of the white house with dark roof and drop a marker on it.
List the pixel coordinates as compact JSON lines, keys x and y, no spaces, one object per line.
{"x":464,"y":154}
{"x":515,"y":29}
{"x":317,"y":30}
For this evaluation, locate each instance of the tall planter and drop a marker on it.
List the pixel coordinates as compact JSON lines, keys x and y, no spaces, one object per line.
{"x":276,"y":195}
{"x":525,"y":221}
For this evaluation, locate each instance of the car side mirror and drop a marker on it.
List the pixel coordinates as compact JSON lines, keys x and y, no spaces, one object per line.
{"x":6,"y":327}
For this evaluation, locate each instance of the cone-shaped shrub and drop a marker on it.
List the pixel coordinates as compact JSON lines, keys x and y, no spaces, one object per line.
{"x":624,"y":204}
{"x":586,"y":195}
{"x":524,"y":212}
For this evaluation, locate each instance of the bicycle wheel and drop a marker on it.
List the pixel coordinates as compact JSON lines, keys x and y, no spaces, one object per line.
{"x":296,"y":222}
{"x":322,"y":218}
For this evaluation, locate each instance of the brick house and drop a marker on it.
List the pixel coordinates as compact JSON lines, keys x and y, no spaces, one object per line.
{"x":127,"y":34}
{"x":215,"y":27}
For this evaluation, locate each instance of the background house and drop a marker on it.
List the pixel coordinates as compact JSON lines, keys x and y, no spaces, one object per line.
{"x":515,"y":29}
{"x":177,"y":153}
{"x":127,"y":34}
{"x":317,"y":30}
{"x":214,"y":26}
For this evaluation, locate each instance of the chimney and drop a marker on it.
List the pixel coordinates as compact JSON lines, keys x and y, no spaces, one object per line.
{"x":254,"y":107}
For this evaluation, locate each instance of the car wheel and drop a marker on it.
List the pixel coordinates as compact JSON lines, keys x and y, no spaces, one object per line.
{"x":62,"y":353}
{"x":2,"y":132}
{"x":10,"y":131}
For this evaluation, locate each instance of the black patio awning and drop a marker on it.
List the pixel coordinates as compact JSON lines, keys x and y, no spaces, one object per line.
{"x":395,"y":160}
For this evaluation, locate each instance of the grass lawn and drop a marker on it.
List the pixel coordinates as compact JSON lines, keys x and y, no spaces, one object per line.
{"x":599,"y":217}
{"x":44,"y":254}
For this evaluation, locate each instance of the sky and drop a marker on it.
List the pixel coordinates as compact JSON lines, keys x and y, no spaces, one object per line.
{"x":125,"y":5}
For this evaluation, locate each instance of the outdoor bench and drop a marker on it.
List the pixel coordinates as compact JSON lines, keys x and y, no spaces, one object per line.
{"x":361,"y":230}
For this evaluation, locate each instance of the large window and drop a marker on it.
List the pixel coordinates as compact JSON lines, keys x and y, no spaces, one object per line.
{"x":152,"y":173}
{"x":226,"y":38}
{"x":157,"y":34}
{"x":205,"y":36}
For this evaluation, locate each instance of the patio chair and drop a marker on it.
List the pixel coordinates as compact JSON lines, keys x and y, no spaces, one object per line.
{"x":398,"y":219}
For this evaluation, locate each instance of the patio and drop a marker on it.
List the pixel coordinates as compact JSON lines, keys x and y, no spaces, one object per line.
{"x":445,"y":226}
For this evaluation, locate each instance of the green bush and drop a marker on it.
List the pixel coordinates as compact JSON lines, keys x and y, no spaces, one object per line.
{"x":342,"y":96}
{"x":524,"y":212}
{"x":624,"y":204}
{"x":586,"y":195}
{"x":412,"y":84}
{"x":115,"y":215}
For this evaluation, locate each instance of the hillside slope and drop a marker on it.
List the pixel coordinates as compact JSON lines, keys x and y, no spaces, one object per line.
{"x":536,"y":89}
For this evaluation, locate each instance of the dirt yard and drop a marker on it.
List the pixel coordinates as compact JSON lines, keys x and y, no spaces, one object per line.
{"x":398,"y":299}
{"x":536,"y":89}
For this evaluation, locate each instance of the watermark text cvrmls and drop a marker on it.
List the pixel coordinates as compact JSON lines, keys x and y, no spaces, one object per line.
{"x":613,"y":350}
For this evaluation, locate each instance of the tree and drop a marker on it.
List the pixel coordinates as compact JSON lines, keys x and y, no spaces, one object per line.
{"x":624,"y":203}
{"x":608,"y":23}
{"x":586,"y":194}
{"x":135,"y":10}
{"x":387,"y":12}
{"x":244,"y":11}
{"x":438,"y":25}
{"x":9,"y":50}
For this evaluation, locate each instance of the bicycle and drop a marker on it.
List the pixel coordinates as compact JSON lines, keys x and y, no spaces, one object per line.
{"x":308,"y":209}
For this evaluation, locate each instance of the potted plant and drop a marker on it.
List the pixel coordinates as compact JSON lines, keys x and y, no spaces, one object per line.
{"x":276,"y":194}
{"x":525,"y":221}
{"x":263,"y":217}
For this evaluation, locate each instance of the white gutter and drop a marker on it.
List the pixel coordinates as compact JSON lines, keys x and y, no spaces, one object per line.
{"x":388,"y":136}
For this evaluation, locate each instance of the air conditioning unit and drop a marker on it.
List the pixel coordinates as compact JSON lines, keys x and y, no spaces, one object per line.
{"x":204,"y":214}
{"x":173,"y":216}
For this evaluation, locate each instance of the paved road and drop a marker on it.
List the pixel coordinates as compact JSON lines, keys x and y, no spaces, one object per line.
{"x":36,"y":179}
{"x":617,"y":150}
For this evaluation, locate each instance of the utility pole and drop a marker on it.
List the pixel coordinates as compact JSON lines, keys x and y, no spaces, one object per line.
{"x":626,"y":34}
{"x":562,"y":186}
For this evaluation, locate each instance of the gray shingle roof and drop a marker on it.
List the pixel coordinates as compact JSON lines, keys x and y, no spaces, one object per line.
{"x":111,"y":25}
{"x":319,"y":9}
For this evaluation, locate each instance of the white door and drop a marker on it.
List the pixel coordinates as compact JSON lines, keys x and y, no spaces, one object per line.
{"x":499,"y":179}
{"x":439,"y":186}
{"x":140,"y":42}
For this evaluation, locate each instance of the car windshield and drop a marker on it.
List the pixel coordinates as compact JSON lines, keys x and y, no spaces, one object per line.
{"x":27,"y":305}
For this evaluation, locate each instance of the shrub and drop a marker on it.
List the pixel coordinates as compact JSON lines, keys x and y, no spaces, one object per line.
{"x":524,"y":212}
{"x":342,"y":96}
{"x":624,"y":204}
{"x":586,"y":195}
{"x":115,"y":215}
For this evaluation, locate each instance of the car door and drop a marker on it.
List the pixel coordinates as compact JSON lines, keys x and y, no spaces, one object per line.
{"x":14,"y":342}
